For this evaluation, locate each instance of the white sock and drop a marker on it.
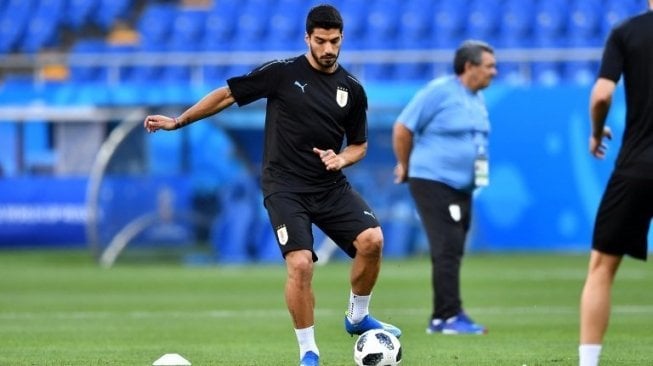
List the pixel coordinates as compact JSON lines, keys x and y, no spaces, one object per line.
{"x":589,"y":354}
{"x":358,"y":307}
{"x":306,"y":341}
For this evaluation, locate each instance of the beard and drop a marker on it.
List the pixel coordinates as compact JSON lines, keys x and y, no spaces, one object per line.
{"x":326,"y":61}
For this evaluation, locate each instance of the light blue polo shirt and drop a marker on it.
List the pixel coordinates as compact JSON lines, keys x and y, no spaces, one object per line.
{"x":449,"y":125}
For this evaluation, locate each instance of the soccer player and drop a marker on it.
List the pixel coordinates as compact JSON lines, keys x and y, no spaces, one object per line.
{"x":624,"y":215}
{"x":440,"y":142}
{"x":313,"y":106}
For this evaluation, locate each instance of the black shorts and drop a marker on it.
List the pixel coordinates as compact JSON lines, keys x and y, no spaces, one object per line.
{"x":340,"y":213}
{"x":624,"y":216}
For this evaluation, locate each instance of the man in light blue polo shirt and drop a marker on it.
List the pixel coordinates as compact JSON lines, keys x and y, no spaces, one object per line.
{"x":440,"y":141}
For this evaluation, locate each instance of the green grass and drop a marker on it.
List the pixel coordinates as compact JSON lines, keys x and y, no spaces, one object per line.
{"x":59,"y":308}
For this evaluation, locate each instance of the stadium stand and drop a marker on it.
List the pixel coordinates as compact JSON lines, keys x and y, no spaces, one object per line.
{"x":35,"y":26}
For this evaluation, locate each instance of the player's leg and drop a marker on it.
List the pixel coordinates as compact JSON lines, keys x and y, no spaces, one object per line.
{"x":367,"y":262}
{"x":300,"y":300}
{"x":299,"y":291}
{"x":595,"y":306}
{"x":347,"y":219}
{"x":595,"y":298}
{"x":364,"y":273}
{"x":621,"y":228}
{"x":291,"y":223}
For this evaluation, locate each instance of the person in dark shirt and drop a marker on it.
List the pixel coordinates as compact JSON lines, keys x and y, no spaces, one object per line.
{"x":313,"y":107}
{"x":624,"y":215}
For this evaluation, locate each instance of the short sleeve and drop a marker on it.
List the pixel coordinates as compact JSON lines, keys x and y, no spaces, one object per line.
{"x":414,"y":114}
{"x":259,"y":83}
{"x":613,"y":57}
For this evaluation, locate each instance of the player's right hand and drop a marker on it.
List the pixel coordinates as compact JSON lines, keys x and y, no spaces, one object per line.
{"x":401,"y":175}
{"x":159,"y":122}
{"x":597,"y":146}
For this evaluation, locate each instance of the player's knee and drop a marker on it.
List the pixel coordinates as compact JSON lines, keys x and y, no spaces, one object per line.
{"x":300,"y":264}
{"x":370,"y":242}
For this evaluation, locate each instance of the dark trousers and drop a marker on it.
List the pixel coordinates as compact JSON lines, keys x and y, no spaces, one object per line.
{"x":446,"y":215}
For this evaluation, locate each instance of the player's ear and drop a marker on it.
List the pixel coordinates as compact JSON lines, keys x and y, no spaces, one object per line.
{"x":307,"y":39}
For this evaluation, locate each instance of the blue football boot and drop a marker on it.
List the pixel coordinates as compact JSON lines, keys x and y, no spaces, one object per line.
{"x":368,"y":323}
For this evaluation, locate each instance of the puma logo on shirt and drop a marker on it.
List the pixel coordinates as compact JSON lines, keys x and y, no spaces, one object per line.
{"x":300,"y":85}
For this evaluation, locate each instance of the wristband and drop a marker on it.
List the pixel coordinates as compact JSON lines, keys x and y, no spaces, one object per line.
{"x":178,"y":124}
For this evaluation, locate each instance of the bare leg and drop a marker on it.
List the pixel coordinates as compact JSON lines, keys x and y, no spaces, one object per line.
{"x":595,"y":299}
{"x":299,"y":291}
{"x":367,"y":262}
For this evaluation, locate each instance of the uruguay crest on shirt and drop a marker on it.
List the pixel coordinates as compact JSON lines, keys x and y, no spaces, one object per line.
{"x":342,"y":95}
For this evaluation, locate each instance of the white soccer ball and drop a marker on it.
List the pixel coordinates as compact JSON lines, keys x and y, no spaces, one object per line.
{"x":377,"y":347}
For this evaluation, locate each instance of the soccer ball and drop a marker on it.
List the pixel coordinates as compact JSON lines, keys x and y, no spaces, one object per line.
{"x":377,"y":347}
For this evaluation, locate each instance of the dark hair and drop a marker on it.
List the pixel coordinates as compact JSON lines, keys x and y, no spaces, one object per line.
{"x":323,"y":16}
{"x":469,"y":51}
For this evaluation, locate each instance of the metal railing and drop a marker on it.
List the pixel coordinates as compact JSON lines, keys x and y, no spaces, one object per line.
{"x":355,"y":60}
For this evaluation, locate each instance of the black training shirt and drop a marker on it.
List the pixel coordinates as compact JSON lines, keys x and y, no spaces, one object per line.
{"x":306,"y":108}
{"x":629,"y":51}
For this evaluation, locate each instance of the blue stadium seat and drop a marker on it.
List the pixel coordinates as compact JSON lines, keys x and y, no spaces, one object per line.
{"x":550,"y":23}
{"x":381,"y":19}
{"x":90,"y":71}
{"x":252,"y":25}
{"x":13,"y":24}
{"x":188,"y":26}
{"x":155,"y":24}
{"x":80,"y":13}
{"x":413,"y":71}
{"x":124,"y":73}
{"x":220,"y":25}
{"x":415,"y":25}
{"x":513,"y":73}
{"x":449,"y":22}
{"x":583,"y":29}
{"x":546,"y":73}
{"x":219,"y":32}
{"x":616,"y":11}
{"x":108,"y":11}
{"x":142,"y":73}
{"x":179,"y":73}
{"x":353,"y":15}
{"x":17,"y":89}
{"x":517,"y":20}
{"x":286,"y":27}
{"x":378,"y":72}
{"x":483,"y":20}
{"x":42,"y":29}
{"x":414,"y":33}
{"x":580,"y":72}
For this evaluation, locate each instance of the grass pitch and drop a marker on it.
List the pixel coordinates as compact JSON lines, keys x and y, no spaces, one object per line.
{"x":59,"y":308}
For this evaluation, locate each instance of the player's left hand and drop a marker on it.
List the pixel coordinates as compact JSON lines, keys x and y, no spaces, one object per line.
{"x":331,"y":160}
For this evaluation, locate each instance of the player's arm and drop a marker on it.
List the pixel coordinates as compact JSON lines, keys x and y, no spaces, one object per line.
{"x":212,"y":103}
{"x":351,"y":154}
{"x":600,"y":101}
{"x":402,"y":144}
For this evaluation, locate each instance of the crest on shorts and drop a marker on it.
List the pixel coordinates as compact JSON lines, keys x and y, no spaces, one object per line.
{"x":282,"y":234}
{"x":342,"y":95}
{"x":454,"y":211}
